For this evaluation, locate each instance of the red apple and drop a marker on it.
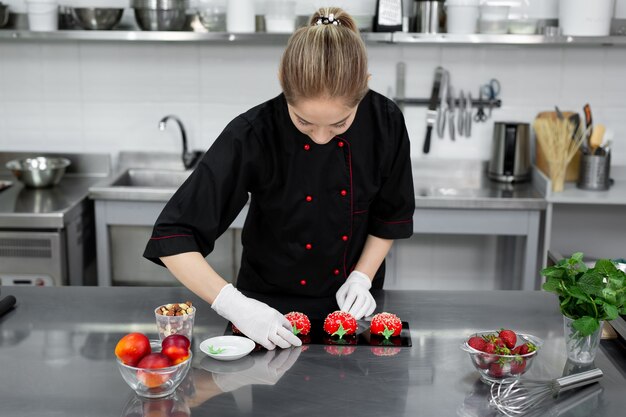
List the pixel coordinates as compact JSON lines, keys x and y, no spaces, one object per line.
{"x":153,"y":361}
{"x":132,"y":348}
{"x":176,"y":347}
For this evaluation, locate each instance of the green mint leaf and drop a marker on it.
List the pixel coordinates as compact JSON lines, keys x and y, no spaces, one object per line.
{"x":591,"y":282}
{"x":295,"y":330}
{"x":609,"y":295}
{"x":552,"y":285}
{"x":578,"y":257}
{"x":578,"y":293}
{"x":610,"y":312}
{"x":605,"y":267}
{"x":586,"y":325}
{"x":215,"y":351}
{"x":553,"y":271}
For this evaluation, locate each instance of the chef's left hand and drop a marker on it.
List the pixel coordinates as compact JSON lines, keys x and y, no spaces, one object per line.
{"x":268,"y":368}
{"x":354,"y":295}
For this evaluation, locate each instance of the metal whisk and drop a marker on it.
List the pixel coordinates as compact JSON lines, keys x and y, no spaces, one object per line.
{"x":521,"y":396}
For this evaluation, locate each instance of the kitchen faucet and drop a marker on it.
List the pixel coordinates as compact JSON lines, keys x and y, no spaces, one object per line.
{"x":190,"y":159}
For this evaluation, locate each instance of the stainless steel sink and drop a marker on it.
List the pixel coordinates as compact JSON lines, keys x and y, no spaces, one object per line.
{"x":151,"y":178}
{"x":140,"y":184}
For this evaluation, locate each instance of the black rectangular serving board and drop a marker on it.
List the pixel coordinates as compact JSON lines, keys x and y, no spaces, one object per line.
{"x":317,"y":336}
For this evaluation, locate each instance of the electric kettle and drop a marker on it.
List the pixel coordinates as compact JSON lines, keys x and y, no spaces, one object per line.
{"x":510,"y":152}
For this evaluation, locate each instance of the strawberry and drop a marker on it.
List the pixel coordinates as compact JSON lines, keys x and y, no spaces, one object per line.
{"x":340,"y":323}
{"x":524,"y":349}
{"x":477,"y":343}
{"x":489,"y":348}
{"x":518,"y":365}
{"x":508,"y":337}
{"x":496,"y":370}
{"x":386,"y":325}
{"x":235,"y":329}
{"x":300,"y":323}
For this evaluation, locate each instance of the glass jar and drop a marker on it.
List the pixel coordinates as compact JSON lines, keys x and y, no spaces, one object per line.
{"x":580,"y":349}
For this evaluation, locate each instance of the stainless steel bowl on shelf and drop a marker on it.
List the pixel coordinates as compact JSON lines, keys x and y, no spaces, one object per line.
{"x":160,"y":15}
{"x":39,"y":172}
{"x":95,"y":18}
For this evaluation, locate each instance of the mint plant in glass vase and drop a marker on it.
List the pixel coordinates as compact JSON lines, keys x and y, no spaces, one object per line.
{"x":587,"y":297}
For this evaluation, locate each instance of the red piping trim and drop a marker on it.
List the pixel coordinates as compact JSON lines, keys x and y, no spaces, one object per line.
{"x":396,"y":222}
{"x":360,"y":212}
{"x":168,"y":237}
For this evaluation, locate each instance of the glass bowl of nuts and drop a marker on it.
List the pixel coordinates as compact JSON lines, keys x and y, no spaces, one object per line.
{"x":175,"y":318}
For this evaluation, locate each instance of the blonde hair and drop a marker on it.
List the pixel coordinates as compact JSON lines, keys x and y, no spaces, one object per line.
{"x":325,"y":60}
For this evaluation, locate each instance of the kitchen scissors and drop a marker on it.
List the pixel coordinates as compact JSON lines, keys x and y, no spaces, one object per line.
{"x":492,"y":91}
{"x":480,"y":116}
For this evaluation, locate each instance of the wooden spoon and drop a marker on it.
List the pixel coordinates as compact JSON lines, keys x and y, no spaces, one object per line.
{"x":596,"y":137}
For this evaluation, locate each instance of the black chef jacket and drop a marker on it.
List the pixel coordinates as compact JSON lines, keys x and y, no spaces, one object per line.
{"x":311,"y":206}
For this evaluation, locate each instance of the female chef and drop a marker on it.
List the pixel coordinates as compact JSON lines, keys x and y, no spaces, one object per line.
{"x":326,"y":165}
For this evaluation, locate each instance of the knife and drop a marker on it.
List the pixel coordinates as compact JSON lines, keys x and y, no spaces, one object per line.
{"x":6,"y":304}
{"x":588,"y":122}
{"x":431,"y":113}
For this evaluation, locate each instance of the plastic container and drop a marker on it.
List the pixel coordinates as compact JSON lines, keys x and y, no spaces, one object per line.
{"x":280,"y":16}
{"x":586,"y":18}
{"x":462,"y":16}
{"x":43,"y":15}
{"x":240,"y":17}
{"x":494,"y":19}
{"x":168,"y":325}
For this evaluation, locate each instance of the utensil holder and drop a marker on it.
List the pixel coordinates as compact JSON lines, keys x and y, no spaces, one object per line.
{"x":594,"y":173}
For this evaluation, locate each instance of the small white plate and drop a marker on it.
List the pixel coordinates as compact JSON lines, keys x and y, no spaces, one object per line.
{"x":227,"y":348}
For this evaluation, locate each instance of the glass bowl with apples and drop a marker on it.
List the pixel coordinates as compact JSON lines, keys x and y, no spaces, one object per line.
{"x":153,"y":368}
{"x":502,"y":355}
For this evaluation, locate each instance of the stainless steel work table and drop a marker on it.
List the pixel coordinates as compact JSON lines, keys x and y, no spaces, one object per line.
{"x":57,"y":358}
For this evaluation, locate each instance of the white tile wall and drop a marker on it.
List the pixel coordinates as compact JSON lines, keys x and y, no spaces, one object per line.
{"x":109,"y":96}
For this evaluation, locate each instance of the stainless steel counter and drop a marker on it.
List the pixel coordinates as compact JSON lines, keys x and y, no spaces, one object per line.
{"x":49,"y":208}
{"x":57,"y":358}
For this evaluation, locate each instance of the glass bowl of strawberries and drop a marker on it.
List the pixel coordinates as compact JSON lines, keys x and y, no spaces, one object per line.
{"x":501,"y":355}
{"x":153,"y":368}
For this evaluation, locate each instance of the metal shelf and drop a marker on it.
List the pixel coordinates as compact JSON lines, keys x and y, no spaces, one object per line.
{"x":274,"y":38}
{"x":483,"y":39}
{"x":147,"y":36}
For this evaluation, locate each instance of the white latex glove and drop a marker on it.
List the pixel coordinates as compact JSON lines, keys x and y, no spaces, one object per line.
{"x":255,"y":319}
{"x":268,"y":368}
{"x":354,"y":295}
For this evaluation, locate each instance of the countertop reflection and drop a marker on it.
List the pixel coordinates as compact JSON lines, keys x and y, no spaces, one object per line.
{"x":56,"y":351}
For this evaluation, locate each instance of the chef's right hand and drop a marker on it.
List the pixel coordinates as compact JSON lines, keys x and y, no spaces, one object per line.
{"x":255,"y":319}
